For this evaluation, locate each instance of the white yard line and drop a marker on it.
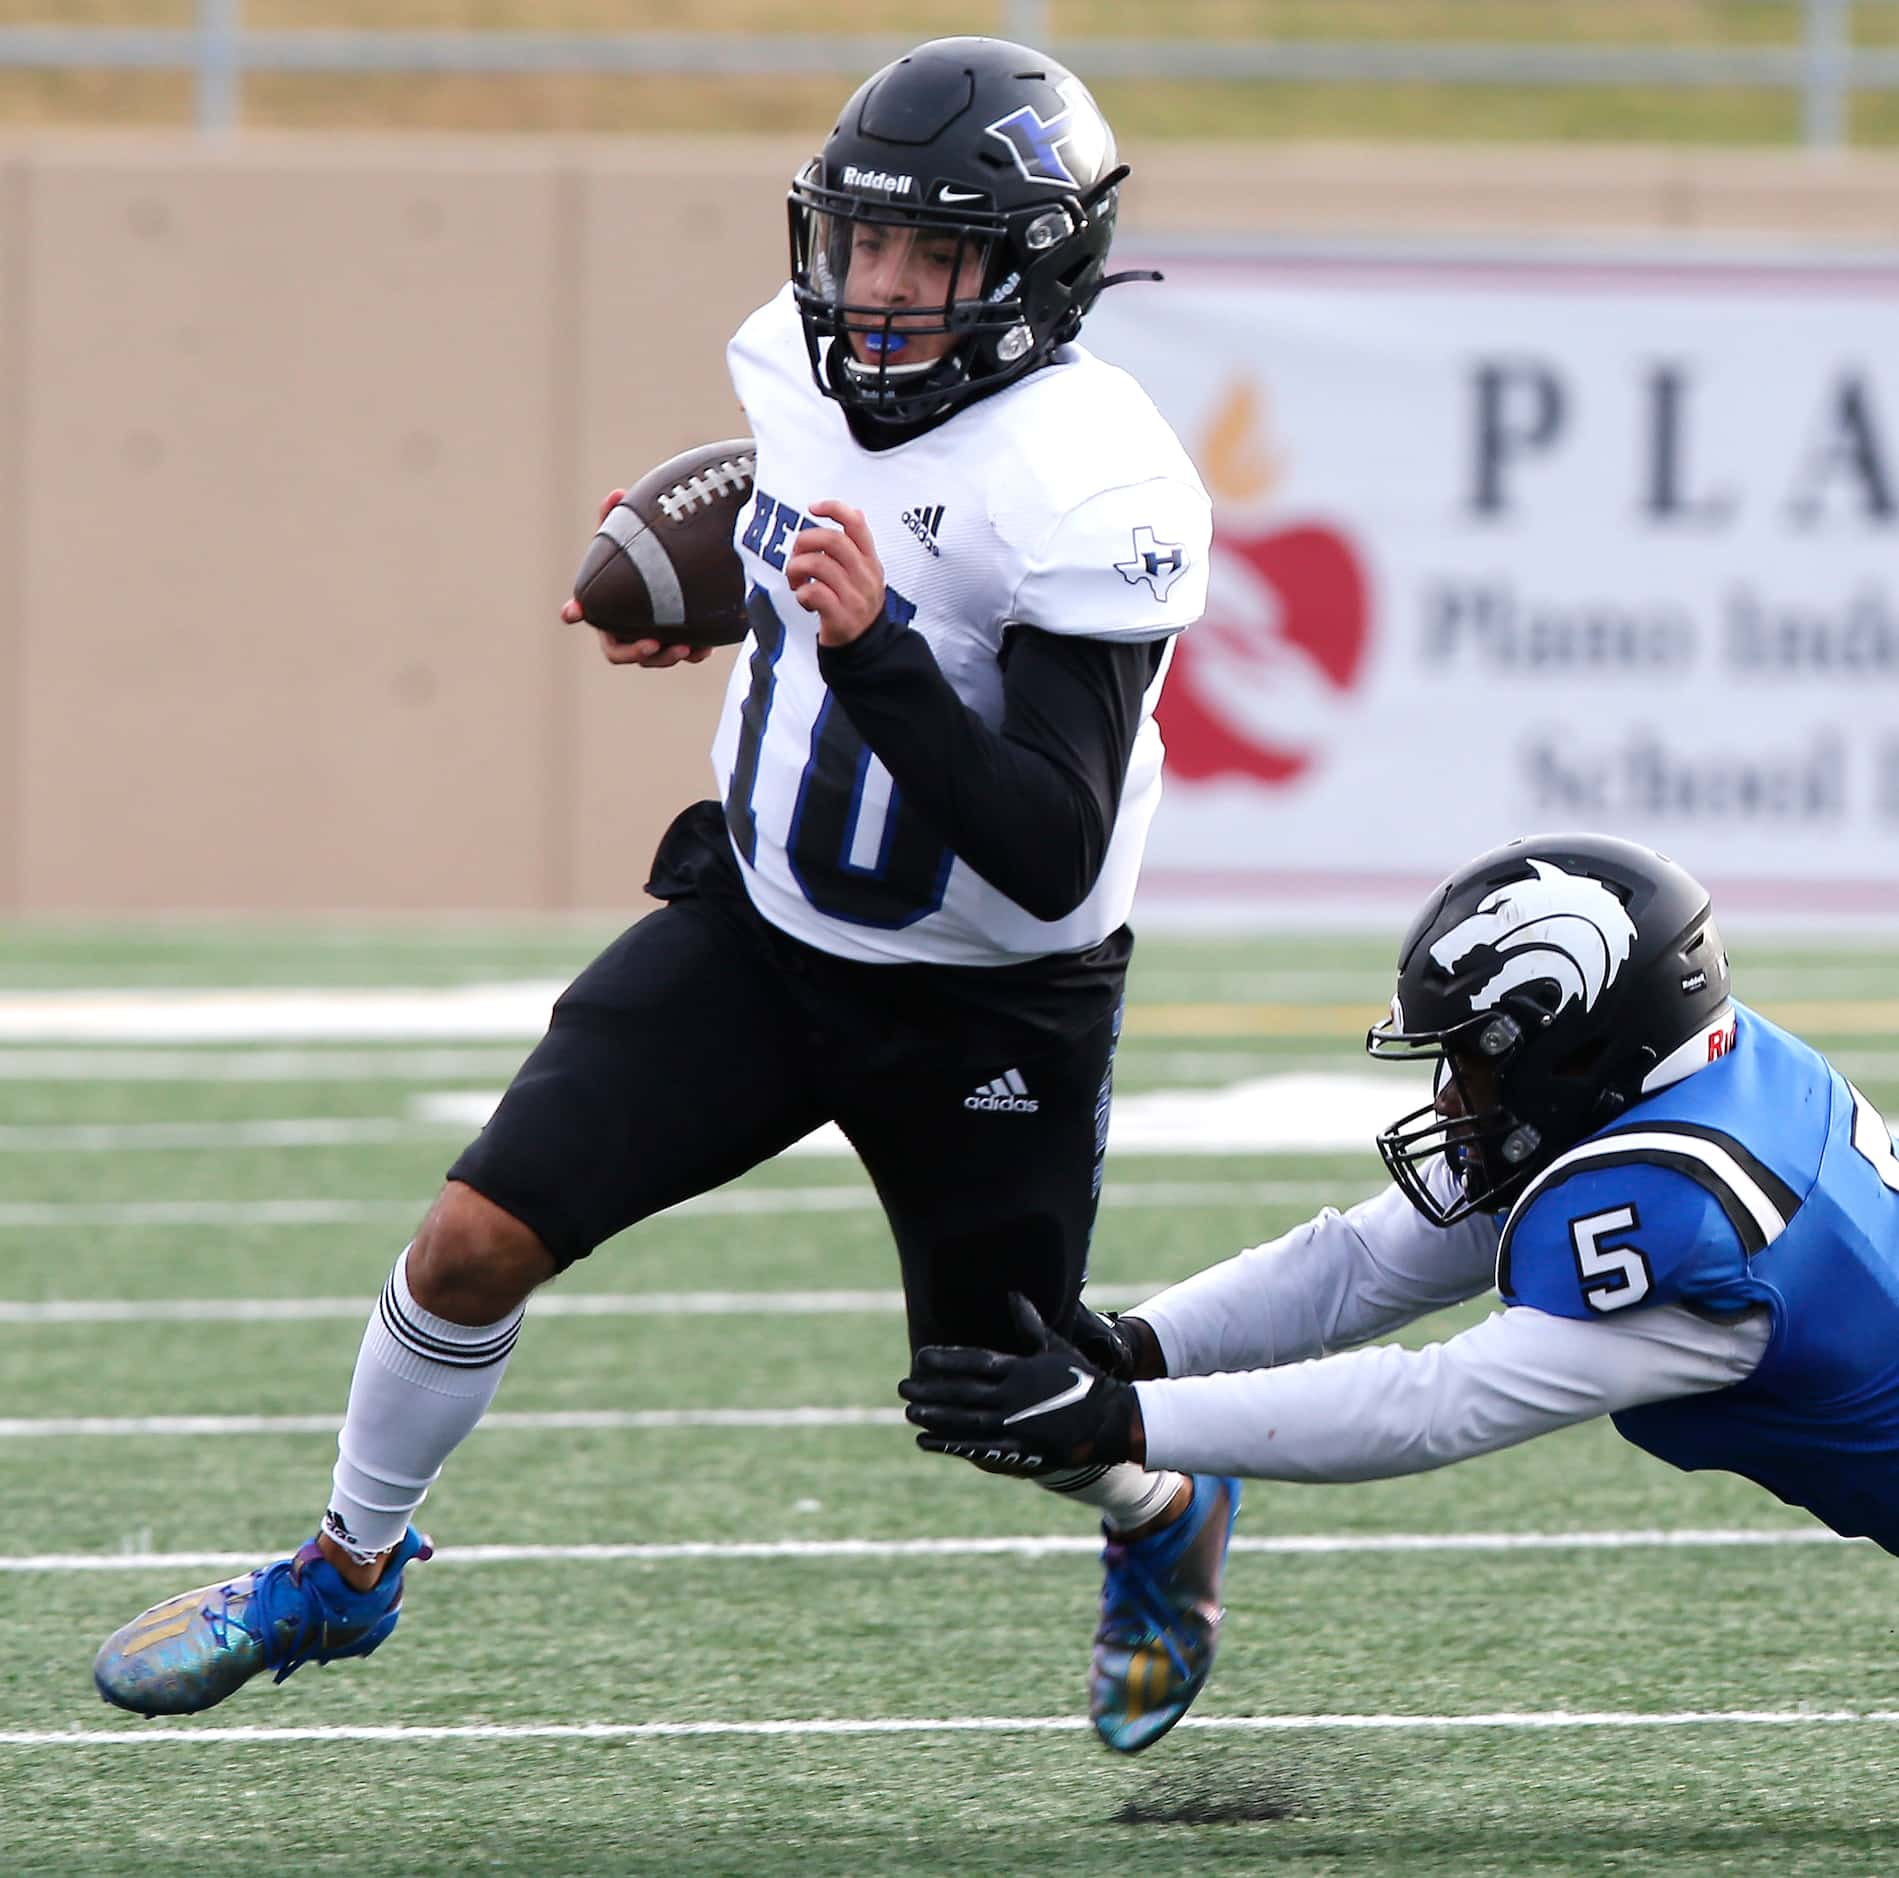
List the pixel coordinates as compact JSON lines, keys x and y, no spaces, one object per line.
{"x":516,"y":1010}
{"x":48,"y":1215}
{"x":43,"y":1215}
{"x":315,"y":1131}
{"x":133,"y":1734}
{"x":120,"y":1427}
{"x":511,"y":1009}
{"x":1283,"y":1545}
{"x":1332,"y":1112}
{"x":252,"y":1065}
{"x":1151,"y":1056}
{"x":1257,"y":1118}
{"x":1276,"y":1115}
{"x":839,"y":1303}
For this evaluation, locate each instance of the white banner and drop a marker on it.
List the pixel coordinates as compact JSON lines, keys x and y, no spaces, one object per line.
{"x":1503,"y":548}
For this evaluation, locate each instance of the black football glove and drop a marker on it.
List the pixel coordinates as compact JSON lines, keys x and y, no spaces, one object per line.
{"x":1102,"y":1342}
{"x":1037,"y":1414}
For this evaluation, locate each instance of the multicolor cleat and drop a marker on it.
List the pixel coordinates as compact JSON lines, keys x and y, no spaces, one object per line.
{"x":1160,"y":1619}
{"x":193,"y":1650}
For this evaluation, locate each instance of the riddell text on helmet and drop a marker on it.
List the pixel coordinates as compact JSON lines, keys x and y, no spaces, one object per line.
{"x":855,"y":178}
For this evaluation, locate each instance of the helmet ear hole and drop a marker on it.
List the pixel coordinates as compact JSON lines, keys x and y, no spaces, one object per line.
{"x":1583,"y":1060}
{"x":1544,"y":996}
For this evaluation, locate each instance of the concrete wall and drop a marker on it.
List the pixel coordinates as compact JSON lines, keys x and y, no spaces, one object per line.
{"x":300,"y":440}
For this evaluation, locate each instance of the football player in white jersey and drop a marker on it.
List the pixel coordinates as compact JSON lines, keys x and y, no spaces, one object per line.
{"x":970,"y":548}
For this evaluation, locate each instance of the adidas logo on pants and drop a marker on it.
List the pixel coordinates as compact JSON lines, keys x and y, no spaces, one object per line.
{"x":1008,"y":1095}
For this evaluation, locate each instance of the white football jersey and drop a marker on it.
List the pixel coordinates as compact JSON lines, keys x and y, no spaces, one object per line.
{"x":1063,"y":502}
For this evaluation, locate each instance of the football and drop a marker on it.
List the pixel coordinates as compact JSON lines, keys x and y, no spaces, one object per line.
{"x":663,"y":565}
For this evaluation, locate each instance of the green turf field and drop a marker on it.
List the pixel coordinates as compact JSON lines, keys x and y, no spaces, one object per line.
{"x":794,"y":1655}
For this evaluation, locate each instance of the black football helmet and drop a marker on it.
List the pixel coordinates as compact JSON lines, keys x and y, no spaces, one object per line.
{"x":994,"y":163}
{"x":1555,"y":982}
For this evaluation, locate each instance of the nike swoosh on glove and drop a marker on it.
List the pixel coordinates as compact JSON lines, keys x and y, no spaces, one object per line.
{"x":1035,"y":1414}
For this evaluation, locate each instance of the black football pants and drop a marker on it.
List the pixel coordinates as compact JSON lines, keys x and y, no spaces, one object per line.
{"x":702,"y":1041}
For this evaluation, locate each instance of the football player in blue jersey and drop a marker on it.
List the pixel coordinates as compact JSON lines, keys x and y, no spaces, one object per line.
{"x":1691,"y":1217}
{"x":970,"y":548}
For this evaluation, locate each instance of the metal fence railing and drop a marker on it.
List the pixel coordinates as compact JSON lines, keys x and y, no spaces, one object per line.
{"x":1818,"y":62}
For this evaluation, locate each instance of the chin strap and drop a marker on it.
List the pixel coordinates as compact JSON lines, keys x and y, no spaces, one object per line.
{"x":1071,"y":325}
{"x":1106,"y":187}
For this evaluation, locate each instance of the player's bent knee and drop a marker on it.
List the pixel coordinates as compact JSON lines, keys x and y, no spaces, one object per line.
{"x":472,"y":1261}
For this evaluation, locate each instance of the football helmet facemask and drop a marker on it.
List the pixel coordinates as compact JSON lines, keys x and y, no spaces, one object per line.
{"x":1551,"y":984}
{"x":967,"y":195}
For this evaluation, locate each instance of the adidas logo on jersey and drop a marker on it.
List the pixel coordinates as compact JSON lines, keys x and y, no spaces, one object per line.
{"x":1007,"y":1095}
{"x":923,"y":523}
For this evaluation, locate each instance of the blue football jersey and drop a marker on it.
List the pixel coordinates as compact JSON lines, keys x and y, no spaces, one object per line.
{"x":1765,"y":1178}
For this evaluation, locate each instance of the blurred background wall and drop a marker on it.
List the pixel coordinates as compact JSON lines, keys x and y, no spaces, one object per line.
{"x":302,"y":429}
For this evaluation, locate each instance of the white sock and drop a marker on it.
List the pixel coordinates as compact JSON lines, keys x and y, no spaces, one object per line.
{"x":421,"y":1385}
{"x":1126,"y":1496}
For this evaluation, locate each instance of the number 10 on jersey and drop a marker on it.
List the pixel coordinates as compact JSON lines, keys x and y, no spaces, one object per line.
{"x":855,"y":849}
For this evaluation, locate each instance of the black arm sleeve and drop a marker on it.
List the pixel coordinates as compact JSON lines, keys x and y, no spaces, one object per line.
{"x":1029,"y":806}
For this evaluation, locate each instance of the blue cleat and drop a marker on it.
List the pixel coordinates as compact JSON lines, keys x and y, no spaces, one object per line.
{"x":193,"y":1650}
{"x":1160,"y":1619}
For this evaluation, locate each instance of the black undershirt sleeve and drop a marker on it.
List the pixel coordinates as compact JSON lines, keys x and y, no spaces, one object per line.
{"x":1029,"y":805}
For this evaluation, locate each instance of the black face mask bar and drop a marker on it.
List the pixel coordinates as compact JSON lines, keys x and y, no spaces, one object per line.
{"x":997,"y":257}
{"x":1486,"y":1148}
{"x":869,"y":337}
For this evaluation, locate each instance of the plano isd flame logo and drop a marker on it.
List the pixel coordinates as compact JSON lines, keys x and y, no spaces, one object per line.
{"x":1266,"y":686}
{"x":1568,"y":928}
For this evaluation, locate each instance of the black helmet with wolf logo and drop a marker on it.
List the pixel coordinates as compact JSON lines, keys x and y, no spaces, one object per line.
{"x":1553,"y":982}
{"x":997,"y":157}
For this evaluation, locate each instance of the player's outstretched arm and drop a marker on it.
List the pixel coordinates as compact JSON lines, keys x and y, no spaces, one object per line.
{"x":1333,"y":1283}
{"x":1363,"y":1415}
{"x":1377,"y":1413}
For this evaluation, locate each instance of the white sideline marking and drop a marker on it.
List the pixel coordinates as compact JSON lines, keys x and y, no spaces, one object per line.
{"x":514,"y":1009}
{"x":35,"y":1428}
{"x":135,"y":1735}
{"x":43,"y":1215}
{"x":1283,"y":1546}
{"x":546,"y":1304}
{"x":1297,"y":1114}
{"x":41,"y":1063}
{"x":1306,"y":1113}
{"x":136,"y":1064}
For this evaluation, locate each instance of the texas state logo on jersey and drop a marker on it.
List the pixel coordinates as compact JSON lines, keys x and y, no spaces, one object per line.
{"x":1063,"y":502}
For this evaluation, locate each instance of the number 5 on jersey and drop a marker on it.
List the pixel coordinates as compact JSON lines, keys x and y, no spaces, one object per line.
{"x":1613,"y":1276}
